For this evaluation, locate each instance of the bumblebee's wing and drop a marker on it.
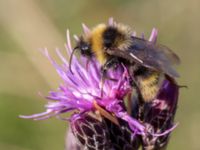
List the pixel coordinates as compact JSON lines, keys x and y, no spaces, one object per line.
{"x":150,"y":49}
{"x":157,"y":57}
{"x":154,"y":56}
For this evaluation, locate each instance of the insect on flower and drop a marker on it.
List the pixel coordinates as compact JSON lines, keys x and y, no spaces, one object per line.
{"x":81,"y":90}
{"x":114,"y":44}
{"x":99,"y":118}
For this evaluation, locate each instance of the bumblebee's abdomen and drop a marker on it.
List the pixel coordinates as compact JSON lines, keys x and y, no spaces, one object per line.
{"x":149,"y":87}
{"x":148,"y":83}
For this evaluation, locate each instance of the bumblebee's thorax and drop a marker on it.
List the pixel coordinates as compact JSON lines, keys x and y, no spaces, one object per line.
{"x":96,"y":40}
{"x":109,"y":37}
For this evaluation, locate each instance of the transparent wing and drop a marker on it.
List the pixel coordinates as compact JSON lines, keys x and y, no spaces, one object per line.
{"x":154,"y":56}
{"x":157,"y":57}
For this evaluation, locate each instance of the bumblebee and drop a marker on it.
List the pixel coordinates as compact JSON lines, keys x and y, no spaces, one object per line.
{"x":148,"y":63}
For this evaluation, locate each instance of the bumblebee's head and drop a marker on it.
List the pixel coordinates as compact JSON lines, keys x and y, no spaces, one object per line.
{"x":104,"y":37}
{"x":84,"y":47}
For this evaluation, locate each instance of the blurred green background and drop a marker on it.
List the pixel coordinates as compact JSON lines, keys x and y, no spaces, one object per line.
{"x":27,"y":25}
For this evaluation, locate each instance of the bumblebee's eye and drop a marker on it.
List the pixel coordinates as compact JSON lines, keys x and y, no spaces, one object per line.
{"x":84,"y":47}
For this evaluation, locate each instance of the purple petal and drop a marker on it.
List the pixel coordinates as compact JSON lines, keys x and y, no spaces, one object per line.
{"x":153,"y":36}
{"x":86,"y":29}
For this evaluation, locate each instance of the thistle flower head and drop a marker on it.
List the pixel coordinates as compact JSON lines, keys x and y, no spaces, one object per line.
{"x":81,"y":93}
{"x":82,"y":88}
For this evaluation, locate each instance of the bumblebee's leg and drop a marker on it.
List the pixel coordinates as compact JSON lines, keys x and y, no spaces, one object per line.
{"x":110,"y":63}
{"x":138,"y":98}
{"x":103,"y":75}
{"x":129,"y":103}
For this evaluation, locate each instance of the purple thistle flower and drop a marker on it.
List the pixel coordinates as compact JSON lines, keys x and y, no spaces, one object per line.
{"x":81,"y":89}
{"x":81,"y":93}
{"x":95,"y":132}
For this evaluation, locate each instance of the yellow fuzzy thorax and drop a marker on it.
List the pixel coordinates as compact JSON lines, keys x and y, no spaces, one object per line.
{"x":97,"y":43}
{"x":124,"y":43}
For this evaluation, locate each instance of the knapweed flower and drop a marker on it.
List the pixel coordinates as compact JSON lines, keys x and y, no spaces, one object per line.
{"x":96,"y":132}
{"x":99,"y":118}
{"x":81,"y":93}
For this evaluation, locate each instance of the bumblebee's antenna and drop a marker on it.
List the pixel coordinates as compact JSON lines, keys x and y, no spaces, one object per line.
{"x":70,"y":59}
